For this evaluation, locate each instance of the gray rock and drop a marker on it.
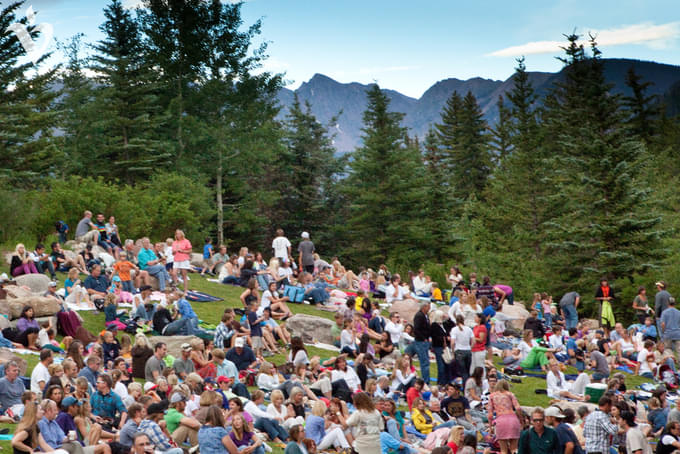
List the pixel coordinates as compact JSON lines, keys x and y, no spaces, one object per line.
{"x":36,"y":282}
{"x":311,"y":327}
{"x":4,"y":322}
{"x":517,"y":314}
{"x":406,"y":308}
{"x":43,"y":306}
{"x":174,"y":343}
{"x":6,"y":355}
{"x":196,"y":259}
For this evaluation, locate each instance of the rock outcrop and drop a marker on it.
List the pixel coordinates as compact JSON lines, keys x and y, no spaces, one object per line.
{"x":311,"y":328}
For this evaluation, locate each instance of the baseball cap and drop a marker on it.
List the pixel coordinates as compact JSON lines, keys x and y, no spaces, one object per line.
{"x":70,"y":400}
{"x":222,"y":379}
{"x":239,"y":342}
{"x":116,"y":279}
{"x":186,"y":347}
{"x":52,"y":284}
{"x":177,"y":397}
{"x":660,"y":284}
{"x":148,"y":386}
{"x":554,"y":412}
{"x":305,"y":235}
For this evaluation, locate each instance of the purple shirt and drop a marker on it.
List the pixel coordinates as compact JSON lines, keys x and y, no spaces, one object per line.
{"x":67,"y":424}
{"x":245,"y":441}
{"x":506,"y":288}
{"x":23,"y":324}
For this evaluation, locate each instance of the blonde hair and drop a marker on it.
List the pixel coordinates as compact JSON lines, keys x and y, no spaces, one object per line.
{"x":134,"y":386}
{"x":218,"y":353}
{"x":456,"y":435}
{"x":73,"y":273}
{"x":266,"y":368}
{"x":276,"y":393}
{"x":437,"y":316}
{"x":194,"y":376}
{"x":125,"y":343}
{"x":196,"y":343}
{"x":141,"y":340}
{"x":20,"y":255}
{"x":501,"y":386}
{"x":319,"y":408}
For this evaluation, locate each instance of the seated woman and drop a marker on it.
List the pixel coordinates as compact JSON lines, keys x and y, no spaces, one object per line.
{"x":276,"y":304}
{"x":242,"y":437}
{"x":27,"y":330}
{"x":280,"y":412}
{"x":213,"y":437}
{"x":21,"y":262}
{"x":423,"y":420}
{"x":560,"y":388}
{"x":317,"y":425}
{"x":26,"y":437}
{"x":74,"y":291}
{"x":625,"y":350}
{"x":534,"y":355}
{"x":229,"y":274}
{"x":279,"y":332}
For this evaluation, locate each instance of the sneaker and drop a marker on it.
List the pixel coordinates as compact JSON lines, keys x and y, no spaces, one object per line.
{"x":193,"y":449}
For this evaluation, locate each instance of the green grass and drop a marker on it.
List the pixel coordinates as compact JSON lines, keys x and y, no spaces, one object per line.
{"x":212,"y":312}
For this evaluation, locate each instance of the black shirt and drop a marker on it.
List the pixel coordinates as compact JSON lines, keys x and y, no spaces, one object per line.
{"x":438,"y":335}
{"x":421,"y":327}
{"x":536,"y":326}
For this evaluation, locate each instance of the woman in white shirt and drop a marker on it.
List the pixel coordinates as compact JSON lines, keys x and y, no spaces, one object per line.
{"x":279,"y":411}
{"x":268,"y":378}
{"x":402,"y":377}
{"x":347,"y":339}
{"x":270,"y":299}
{"x":454,"y":277}
{"x":461,"y":344}
{"x":298,"y":353}
{"x":342,"y":372}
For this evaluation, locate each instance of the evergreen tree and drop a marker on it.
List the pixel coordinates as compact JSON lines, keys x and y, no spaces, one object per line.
{"x":385,"y":189}
{"x":307,"y":170}
{"x":130,"y":120}
{"x":643,"y":109}
{"x":606,"y":224}
{"x":27,"y":114}
{"x":501,"y":133}
{"x":463,"y":135}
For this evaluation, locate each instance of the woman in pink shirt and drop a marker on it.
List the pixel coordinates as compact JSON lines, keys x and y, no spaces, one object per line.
{"x":181,"y":252}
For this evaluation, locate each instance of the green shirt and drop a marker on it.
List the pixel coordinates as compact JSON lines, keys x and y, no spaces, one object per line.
{"x":531,"y":443}
{"x":172,"y":419}
{"x":335,"y":332}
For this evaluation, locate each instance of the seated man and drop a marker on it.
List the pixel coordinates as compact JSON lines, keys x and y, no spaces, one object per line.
{"x":560,"y":388}
{"x":534,"y":324}
{"x":107,"y":406}
{"x":52,"y":433}
{"x":97,"y":284}
{"x":42,"y":261}
{"x":241,"y":355}
{"x":149,"y":426}
{"x":180,"y":426}
{"x":86,"y":231}
{"x":149,"y":262}
{"x":598,"y":362}
{"x":11,"y":389}
{"x":104,"y":241}
{"x":63,"y":263}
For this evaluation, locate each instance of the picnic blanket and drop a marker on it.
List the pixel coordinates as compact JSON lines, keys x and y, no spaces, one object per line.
{"x":201,"y":297}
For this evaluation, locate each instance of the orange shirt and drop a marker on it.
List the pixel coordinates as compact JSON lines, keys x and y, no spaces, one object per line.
{"x":123,"y":269}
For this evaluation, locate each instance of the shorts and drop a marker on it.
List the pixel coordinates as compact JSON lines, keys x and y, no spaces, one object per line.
{"x":183,"y":265}
{"x":207,"y":262}
{"x":257,"y":342}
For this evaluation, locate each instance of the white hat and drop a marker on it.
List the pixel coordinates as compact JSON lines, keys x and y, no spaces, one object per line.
{"x":4,"y":278}
{"x":305,"y":235}
{"x":554,"y":412}
{"x":177,"y":397}
{"x":239,"y":342}
{"x":148,"y":386}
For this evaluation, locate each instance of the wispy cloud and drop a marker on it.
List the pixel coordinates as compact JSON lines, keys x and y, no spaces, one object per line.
{"x":134,"y":4}
{"x":386,"y":69}
{"x":648,"y":34}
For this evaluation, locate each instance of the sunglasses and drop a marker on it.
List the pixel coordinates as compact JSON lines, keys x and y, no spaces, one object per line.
{"x":537,"y":420}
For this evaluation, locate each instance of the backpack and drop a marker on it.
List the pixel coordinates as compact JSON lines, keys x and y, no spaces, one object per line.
{"x":294,"y":294}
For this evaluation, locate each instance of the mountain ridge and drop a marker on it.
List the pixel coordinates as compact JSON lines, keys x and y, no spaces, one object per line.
{"x":328,"y":97}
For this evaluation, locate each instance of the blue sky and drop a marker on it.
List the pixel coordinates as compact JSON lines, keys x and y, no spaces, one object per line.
{"x":408,"y":46}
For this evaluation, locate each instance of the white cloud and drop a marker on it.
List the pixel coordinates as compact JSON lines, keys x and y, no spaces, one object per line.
{"x":648,"y":34}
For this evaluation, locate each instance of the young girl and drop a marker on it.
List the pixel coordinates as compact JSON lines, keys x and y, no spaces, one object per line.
{"x":111,"y":348}
{"x":126,"y":347}
{"x":243,"y":438}
{"x":347,"y":338}
{"x":537,"y":305}
{"x":111,"y":312}
{"x":546,"y":302}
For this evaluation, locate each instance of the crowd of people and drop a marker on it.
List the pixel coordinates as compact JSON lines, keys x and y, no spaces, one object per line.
{"x":114,"y":392}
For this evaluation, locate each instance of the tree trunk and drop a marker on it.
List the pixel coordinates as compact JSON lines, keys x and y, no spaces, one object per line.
{"x":220,"y":207}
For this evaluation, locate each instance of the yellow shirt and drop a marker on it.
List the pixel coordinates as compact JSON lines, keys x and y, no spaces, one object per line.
{"x":357,"y":303}
{"x":437,"y":294}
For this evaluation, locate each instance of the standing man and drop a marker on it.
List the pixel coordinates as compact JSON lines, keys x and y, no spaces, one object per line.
{"x":660,"y":302}
{"x":306,"y":249}
{"x":598,"y":428}
{"x":282,"y":247}
{"x":86,"y":231}
{"x":421,"y":344}
{"x":568,"y":305}
{"x":539,"y":439}
{"x":670,"y":326}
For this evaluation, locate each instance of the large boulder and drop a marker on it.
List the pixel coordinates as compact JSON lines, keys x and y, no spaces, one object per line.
{"x":14,"y":291}
{"x":311,"y":328}
{"x":196,"y":259}
{"x":406,"y":308}
{"x":36,"y":282}
{"x":516,"y":313}
{"x":70,"y":255}
{"x":6,"y":355}
{"x":43,"y":306}
{"x":75,"y":245}
{"x":174,"y":343}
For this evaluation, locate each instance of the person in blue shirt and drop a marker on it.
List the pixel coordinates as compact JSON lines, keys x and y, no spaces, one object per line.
{"x":50,"y":430}
{"x":208,"y":265}
{"x":91,"y":370}
{"x":649,"y":330}
{"x":149,"y":262}
{"x":107,"y":404}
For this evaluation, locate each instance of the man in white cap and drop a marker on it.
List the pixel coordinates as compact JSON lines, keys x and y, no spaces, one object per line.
{"x":183,"y":366}
{"x":306,"y":250}
{"x":553,"y":416}
{"x":241,"y":355}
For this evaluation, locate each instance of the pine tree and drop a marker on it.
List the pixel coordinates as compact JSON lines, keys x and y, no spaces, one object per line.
{"x":501,"y":133}
{"x":644,"y":109}
{"x":130,"y":121}
{"x":464,"y":138}
{"x":27,"y":114}
{"x":606,"y":224}
{"x":385,"y":189}
{"x":307,"y":170}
